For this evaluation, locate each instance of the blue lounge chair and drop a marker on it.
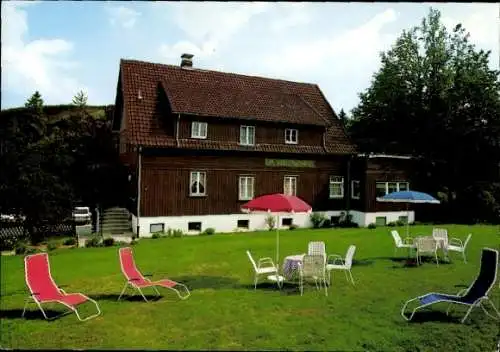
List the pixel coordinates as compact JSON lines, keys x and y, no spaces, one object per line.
{"x":473,"y":296}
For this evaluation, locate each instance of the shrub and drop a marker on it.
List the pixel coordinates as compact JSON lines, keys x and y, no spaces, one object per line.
{"x":400,"y":223}
{"x":133,"y":242}
{"x":70,"y":241}
{"x":372,"y":225}
{"x":93,"y":242}
{"x":20,"y":248}
{"x":108,"y":242}
{"x":270,"y":222}
{"x":31,"y":251}
{"x":317,"y":219}
{"x":327,"y":224}
{"x":208,"y":231}
{"x":293,"y":227}
{"x":51,"y":246}
{"x":120,"y":243}
{"x":156,"y":235}
{"x":8,"y":243}
{"x":177,"y":233}
{"x":391,"y":224}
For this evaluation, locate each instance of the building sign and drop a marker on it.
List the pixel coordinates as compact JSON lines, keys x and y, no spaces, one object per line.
{"x":290,"y":163}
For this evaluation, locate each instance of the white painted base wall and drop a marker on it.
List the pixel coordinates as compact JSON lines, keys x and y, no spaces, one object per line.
{"x":228,"y":223}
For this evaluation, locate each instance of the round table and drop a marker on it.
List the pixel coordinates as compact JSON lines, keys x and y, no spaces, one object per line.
{"x":291,"y":265}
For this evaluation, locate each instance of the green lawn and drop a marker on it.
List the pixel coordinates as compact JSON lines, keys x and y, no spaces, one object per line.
{"x":224,"y":311}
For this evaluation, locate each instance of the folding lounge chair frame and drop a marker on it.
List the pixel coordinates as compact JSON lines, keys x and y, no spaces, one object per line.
{"x":136,"y":280}
{"x":58,"y":293}
{"x":474,"y":296}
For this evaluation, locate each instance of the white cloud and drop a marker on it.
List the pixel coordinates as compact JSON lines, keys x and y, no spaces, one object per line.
{"x":346,"y":52}
{"x":41,"y":64}
{"x":482,"y":24}
{"x":123,"y":16}
{"x":295,"y":14}
{"x":207,"y":26}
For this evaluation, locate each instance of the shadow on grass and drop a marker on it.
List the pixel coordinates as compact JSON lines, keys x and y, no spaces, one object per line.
{"x":127,"y":297}
{"x":30,"y":314}
{"x":207,"y":282}
{"x":411,"y":262}
{"x":433,"y":316}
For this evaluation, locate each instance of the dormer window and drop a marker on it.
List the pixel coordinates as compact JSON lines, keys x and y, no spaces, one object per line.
{"x":198,"y":130}
{"x":291,"y":136}
{"x":247,"y":135}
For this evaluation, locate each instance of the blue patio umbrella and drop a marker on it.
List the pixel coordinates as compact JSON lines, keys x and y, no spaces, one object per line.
{"x":408,"y":197}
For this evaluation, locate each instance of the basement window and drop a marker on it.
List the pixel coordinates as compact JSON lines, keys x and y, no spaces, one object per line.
{"x":381,"y":221}
{"x":156,"y":228}
{"x":286,"y":221}
{"x":194,"y":226}
{"x":243,"y":224}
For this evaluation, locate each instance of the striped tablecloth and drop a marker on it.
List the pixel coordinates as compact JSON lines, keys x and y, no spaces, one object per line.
{"x":290,"y":265}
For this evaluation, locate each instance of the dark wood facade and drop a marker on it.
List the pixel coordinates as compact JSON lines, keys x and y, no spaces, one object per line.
{"x":269,"y":133}
{"x":371,"y":170}
{"x":165,"y":182}
{"x":157,"y":104}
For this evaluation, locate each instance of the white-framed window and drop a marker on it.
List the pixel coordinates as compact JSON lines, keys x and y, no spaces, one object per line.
{"x":403,"y":186}
{"x":291,"y":136}
{"x":156,"y":228}
{"x":247,"y":135}
{"x":290,"y":185}
{"x":383,"y":188}
{"x":336,"y":187}
{"x":355,"y":189}
{"x":198,"y":183}
{"x":246,"y":187}
{"x":198,"y":130}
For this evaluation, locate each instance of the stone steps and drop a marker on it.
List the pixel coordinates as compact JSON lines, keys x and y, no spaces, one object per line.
{"x":116,"y":221}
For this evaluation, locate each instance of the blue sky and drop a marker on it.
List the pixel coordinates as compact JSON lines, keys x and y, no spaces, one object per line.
{"x":61,"y":47}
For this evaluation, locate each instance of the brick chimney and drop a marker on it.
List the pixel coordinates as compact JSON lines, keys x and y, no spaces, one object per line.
{"x":186,"y":61}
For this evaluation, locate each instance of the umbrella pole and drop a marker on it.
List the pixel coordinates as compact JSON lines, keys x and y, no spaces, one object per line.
{"x":277,"y":238}
{"x":407,"y":221}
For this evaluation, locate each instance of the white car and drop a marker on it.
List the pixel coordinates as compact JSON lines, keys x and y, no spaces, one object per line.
{"x":7,"y":217}
{"x":82,"y":214}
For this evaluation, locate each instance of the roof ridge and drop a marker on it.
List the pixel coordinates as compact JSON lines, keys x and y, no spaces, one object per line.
{"x":194,"y":69}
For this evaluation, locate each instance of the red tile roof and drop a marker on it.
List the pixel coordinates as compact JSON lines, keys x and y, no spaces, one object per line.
{"x":223,"y":95}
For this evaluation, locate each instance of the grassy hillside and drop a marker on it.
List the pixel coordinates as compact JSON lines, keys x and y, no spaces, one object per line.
{"x":60,"y":111}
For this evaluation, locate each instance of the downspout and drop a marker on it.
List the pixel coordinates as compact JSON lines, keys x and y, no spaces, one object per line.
{"x":139,"y":167}
{"x":177,"y":129}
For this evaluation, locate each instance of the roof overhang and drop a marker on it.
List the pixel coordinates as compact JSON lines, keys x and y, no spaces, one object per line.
{"x":386,"y":156}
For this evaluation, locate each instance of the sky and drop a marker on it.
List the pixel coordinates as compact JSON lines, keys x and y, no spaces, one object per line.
{"x":62,"y":47}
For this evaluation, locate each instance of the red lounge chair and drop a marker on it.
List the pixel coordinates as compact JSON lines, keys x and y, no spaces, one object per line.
{"x":137,"y":280}
{"x":44,"y":290}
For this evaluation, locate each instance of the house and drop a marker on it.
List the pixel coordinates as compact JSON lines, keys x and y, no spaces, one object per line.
{"x":201,"y":143}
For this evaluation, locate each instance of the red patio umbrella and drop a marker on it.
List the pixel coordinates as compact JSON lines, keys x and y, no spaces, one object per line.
{"x":277,"y":203}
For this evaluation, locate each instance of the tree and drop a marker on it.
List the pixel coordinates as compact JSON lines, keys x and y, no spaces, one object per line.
{"x":434,"y":97}
{"x":343,"y":118}
{"x":80,"y":99}
{"x":35,"y":102}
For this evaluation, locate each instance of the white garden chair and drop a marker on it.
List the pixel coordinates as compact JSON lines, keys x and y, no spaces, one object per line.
{"x":266,"y":267}
{"x":426,"y":244}
{"x":399,"y":243}
{"x":456,"y":245}
{"x":343,"y":264}
{"x":317,"y":248}
{"x":441,"y":235}
{"x":312,"y":266}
